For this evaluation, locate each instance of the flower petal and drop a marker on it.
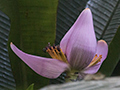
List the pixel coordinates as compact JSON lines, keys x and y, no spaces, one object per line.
{"x":102,"y":49}
{"x":79,"y":43}
{"x":47,"y":67}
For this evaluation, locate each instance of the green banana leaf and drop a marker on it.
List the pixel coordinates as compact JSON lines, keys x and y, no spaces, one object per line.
{"x":106,"y":18}
{"x":67,"y":13}
{"x":30,"y":87}
{"x":32,"y":27}
{"x":6,"y":77}
{"x":113,"y":55}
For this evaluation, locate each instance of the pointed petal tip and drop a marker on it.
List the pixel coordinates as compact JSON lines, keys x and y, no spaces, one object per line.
{"x":11,"y":43}
{"x":87,"y":9}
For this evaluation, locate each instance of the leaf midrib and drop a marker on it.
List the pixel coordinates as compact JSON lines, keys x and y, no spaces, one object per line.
{"x":106,"y":26}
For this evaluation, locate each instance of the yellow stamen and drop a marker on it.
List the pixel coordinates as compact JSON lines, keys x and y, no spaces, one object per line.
{"x":54,"y":53}
{"x":95,"y":60}
{"x":51,"y":54}
{"x":63,"y":56}
{"x":57,"y":53}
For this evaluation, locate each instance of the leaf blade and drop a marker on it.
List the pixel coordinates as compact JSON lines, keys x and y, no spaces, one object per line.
{"x":103,"y":16}
{"x":30,"y":87}
{"x":6,"y":77}
{"x":113,"y":55}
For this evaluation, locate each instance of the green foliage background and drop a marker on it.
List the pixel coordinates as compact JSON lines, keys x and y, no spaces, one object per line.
{"x":113,"y":55}
{"x":30,"y":19}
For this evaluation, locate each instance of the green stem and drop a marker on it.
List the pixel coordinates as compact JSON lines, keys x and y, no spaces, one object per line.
{"x":72,"y":75}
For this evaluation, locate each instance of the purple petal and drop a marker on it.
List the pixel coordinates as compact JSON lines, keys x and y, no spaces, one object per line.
{"x":79,"y":43}
{"x":102,"y":49}
{"x":47,"y":67}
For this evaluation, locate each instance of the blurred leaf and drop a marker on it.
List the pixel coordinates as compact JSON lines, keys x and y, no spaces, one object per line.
{"x":10,"y":8}
{"x":106,"y":17}
{"x":113,"y":55}
{"x":6,"y":77}
{"x":30,"y":87}
{"x":32,"y":27}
